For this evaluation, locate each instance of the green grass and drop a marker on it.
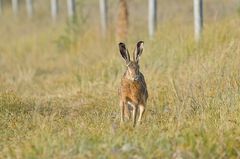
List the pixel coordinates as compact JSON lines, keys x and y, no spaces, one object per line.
{"x":62,"y":102}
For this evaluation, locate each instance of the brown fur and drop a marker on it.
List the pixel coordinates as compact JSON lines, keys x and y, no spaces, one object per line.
{"x":133,"y":90}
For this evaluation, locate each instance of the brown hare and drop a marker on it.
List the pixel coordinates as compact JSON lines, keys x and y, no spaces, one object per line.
{"x":133,"y":91}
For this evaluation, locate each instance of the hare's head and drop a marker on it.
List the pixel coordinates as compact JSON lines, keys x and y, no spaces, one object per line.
{"x":132,"y":72}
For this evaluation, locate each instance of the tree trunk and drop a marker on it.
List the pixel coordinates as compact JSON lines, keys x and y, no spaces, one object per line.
{"x":103,"y":14}
{"x":71,"y":4}
{"x":152,"y":17}
{"x":122,"y":21}
{"x":198,"y":18}
{"x":15,"y":7}
{"x":54,"y":9}
{"x":29,"y":7}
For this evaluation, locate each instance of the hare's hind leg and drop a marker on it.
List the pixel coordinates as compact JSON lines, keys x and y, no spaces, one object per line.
{"x":141,"y":112}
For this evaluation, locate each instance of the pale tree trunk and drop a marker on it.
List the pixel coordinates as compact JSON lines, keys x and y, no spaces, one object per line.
{"x":71,"y":4}
{"x":15,"y":7}
{"x":103,"y":13}
{"x":54,"y":9}
{"x":29,"y":7}
{"x":152,"y":17}
{"x":198,"y":18}
{"x":1,"y":7}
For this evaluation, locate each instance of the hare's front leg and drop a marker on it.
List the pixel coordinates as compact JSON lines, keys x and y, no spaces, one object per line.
{"x":134,"y":113}
{"x":141,"y":112}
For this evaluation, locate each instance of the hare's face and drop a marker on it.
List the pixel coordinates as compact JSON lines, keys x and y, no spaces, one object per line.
{"x":132,"y":66}
{"x":132,"y":71}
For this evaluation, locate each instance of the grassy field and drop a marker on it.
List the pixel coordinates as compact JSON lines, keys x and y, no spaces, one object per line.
{"x":58,"y":90}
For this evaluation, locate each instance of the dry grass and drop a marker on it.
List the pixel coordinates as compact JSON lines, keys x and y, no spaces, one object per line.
{"x":62,"y":102}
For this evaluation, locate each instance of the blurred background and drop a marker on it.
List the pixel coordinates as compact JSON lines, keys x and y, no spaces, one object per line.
{"x":60,"y":70}
{"x":37,"y":37}
{"x":88,"y":13}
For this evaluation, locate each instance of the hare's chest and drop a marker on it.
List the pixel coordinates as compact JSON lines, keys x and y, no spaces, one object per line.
{"x":135,"y":88}
{"x":132,"y":89}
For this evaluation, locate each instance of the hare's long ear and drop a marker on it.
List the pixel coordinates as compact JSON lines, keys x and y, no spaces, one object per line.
{"x":138,"y":51}
{"x":124,"y":52}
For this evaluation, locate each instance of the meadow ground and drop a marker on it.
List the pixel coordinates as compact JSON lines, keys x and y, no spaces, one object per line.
{"x":58,"y":92}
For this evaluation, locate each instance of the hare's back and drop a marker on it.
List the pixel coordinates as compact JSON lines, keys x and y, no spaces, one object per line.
{"x":144,"y":86}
